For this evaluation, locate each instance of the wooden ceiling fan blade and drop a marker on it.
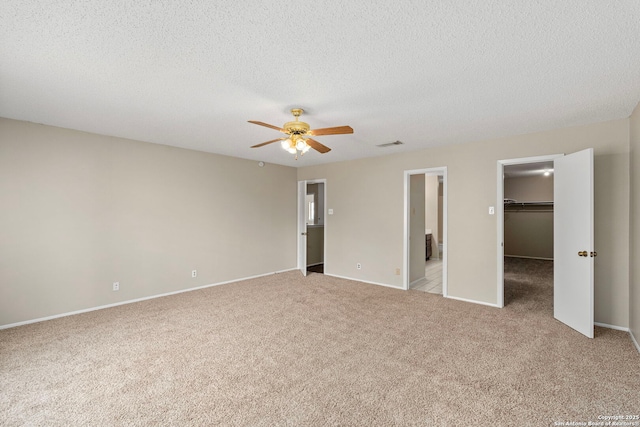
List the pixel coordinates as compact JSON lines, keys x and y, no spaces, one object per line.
{"x":317,"y":146}
{"x":266,"y":143}
{"x":267,"y":125}
{"x":337,"y":130}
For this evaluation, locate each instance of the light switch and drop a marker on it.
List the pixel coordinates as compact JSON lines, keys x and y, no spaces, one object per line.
{"x":492,"y":210}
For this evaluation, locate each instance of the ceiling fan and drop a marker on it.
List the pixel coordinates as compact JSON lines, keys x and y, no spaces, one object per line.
{"x":298,"y":135}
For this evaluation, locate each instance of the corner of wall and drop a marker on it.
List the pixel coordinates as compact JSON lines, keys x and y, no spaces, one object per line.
{"x":634,"y":226}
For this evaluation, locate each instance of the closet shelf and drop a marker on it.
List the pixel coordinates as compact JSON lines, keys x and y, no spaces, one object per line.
{"x":514,"y":205}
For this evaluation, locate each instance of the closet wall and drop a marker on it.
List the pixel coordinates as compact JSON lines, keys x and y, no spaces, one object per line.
{"x":528,"y":230}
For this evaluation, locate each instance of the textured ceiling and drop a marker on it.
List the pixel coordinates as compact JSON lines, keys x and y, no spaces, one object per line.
{"x":190,"y":73}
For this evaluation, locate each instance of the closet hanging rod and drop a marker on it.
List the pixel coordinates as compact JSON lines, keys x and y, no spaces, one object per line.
{"x":511,"y":205}
{"x":516,"y":203}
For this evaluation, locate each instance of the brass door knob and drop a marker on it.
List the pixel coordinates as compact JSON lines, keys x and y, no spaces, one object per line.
{"x":583,"y":253}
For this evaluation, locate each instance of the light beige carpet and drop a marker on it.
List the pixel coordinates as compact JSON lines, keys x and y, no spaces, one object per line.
{"x":291,"y":351}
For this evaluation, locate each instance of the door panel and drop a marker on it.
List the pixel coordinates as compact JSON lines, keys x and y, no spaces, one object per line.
{"x":302,"y":228}
{"x":573,"y":234}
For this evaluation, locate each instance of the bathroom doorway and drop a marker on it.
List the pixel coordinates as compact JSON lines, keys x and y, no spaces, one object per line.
{"x":425,"y":232}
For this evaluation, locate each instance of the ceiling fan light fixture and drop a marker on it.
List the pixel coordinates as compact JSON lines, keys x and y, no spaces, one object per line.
{"x":298,"y":133}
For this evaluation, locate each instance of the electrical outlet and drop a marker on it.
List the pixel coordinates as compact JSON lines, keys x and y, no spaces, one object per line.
{"x":359,"y":266}
{"x":194,"y":273}
{"x":116,"y":286}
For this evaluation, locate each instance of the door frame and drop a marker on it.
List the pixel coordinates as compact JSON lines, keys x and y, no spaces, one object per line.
{"x":500,"y":213}
{"x":439,"y":171}
{"x":302,"y":224}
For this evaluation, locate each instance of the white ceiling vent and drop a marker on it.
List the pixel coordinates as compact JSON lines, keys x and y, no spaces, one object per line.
{"x":389,"y":144}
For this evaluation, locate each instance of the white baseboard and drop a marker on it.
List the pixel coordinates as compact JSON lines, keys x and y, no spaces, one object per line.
{"x":313,"y":265}
{"x":617,"y":328}
{"x":474,"y":301}
{"x":364,"y":281}
{"x":623,"y":329}
{"x":101,"y":307}
{"x":635,"y":342}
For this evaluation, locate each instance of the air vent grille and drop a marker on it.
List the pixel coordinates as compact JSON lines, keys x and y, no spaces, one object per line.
{"x":390,"y":144}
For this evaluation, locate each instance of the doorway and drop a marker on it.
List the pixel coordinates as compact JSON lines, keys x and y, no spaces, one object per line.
{"x":425,"y":230}
{"x":525,"y":169}
{"x":312,"y":222}
{"x":314,"y":214}
{"x":528,"y":236}
{"x":573,"y":231}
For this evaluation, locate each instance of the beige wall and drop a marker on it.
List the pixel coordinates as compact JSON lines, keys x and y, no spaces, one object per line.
{"x":536,"y":188}
{"x":81,"y":211}
{"x":315,"y":244}
{"x":417,"y":248}
{"x":528,"y":232}
{"x":634,"y":294}
{"x":368,"y":225}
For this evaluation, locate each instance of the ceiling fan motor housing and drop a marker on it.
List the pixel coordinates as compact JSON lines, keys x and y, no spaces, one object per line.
{"x":296,"y":128}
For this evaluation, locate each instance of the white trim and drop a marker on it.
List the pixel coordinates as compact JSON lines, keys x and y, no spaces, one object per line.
{"x":101,"y":307}
{"x":617,"y":328}
{"x":500,"y":215}
{"x":365,"y":281}
{"x":438,"y":171}
{"x":475,"y":302}
{"x":635,"y":342}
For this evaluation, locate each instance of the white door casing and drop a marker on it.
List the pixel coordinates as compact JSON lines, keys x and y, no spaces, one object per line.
{"x":406,"y":255}
{"x":500,"y":213}
{"x":573,"y":234}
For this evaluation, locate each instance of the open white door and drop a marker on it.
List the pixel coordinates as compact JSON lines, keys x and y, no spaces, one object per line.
{"x":573,"y":241}
{"x":302,"y":228}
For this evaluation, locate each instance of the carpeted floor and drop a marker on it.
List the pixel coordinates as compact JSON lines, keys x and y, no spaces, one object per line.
{"x":528,"y":285}
{"x":284,"y":350}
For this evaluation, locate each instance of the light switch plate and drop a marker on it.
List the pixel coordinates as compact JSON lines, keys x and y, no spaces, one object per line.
{"x":330,"y":211}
